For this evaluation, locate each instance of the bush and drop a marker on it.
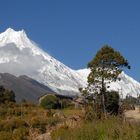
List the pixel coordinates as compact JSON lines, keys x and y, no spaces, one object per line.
{"x":50,"y":102}
{"x":66,"y":103}
{"x":6,"y":95}
{"x":112,"y":102}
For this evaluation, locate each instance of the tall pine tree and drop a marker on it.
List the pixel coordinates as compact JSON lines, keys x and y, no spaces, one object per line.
{"x":105,"y":68}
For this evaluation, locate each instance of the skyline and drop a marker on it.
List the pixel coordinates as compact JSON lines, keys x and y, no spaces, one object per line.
{"x":73,"y":32}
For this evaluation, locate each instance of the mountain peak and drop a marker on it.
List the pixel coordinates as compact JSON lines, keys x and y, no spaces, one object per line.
{"x":19,"y":38}
{"x":21,"y":41}
{"x":10,"y":30}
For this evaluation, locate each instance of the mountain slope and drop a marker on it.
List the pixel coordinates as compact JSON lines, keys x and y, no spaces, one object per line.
{"x":21,"y":56}
{"x":127,"y":85}
{"x":24,"y":87}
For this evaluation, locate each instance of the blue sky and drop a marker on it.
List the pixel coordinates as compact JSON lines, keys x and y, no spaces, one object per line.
{"x":73,"y":30}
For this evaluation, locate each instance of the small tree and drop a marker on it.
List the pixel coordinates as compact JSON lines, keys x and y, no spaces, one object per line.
{"x":9,"y":96}
{"x":105,"y":68}
{"x":6,"y":95}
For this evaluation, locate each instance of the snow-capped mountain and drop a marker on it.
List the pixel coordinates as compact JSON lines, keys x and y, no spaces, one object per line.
{"x":21,"y":56}
{"x":126,"y":86}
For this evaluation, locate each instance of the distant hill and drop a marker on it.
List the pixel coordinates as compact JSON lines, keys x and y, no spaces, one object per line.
{"x":24,"y":87}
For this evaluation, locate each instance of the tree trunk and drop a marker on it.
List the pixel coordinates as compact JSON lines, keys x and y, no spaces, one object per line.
{"x":103,"y":104}
{"x":103,"y":98}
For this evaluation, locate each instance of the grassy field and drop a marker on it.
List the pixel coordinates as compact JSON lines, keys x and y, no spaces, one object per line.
{"x":110,"y":129}
{"x":27,"y":122}
{"x":23,"y":122}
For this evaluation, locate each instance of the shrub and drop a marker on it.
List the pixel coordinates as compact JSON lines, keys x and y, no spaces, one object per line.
{"x":50,"y":102}
{"x":6,"y":95}
{"x":65,"y":103}
{"x":112,"y":102}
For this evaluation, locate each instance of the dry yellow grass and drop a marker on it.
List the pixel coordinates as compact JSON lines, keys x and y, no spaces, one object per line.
{"x":133,"y":115}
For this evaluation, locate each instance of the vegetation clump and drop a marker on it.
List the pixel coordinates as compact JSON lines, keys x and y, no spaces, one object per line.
{"x":53,"y":102}
{"x":49,"y":102}
{"x":105,"y":68}
{"x":6,"y":95}
{"x":112,"y":102}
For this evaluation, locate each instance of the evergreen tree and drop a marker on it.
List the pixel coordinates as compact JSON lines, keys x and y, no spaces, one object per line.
{"x":9,"y":96}
{"x":2,"y":90}
{"x":6,"y":95}
{"x":105,"y":68}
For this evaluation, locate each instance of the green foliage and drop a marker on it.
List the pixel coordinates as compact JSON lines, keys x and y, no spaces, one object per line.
{"x":50,"y":102}
{"x":112,"y":102}
{"x":105,"y":68}
{"x":129,"y":100}
{"x":66,"y":103}
{"x":6,"y":95}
